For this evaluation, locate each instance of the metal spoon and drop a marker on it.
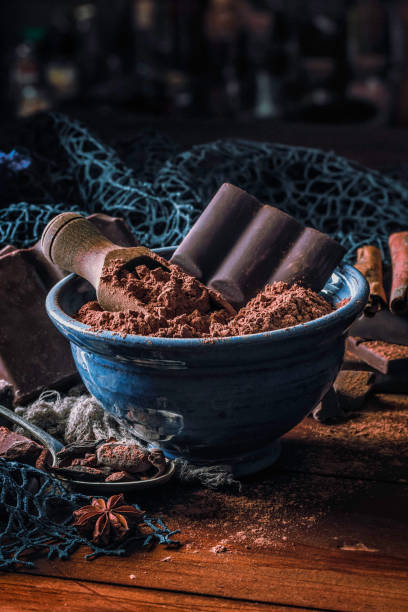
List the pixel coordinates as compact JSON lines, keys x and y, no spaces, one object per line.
{"x":100,"y":488}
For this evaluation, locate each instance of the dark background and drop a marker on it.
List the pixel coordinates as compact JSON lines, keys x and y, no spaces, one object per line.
{"x":338,"y":62}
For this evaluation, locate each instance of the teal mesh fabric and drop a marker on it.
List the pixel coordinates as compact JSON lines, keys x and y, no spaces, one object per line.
{"x":160,"y":191}
{"x":36,"y":515}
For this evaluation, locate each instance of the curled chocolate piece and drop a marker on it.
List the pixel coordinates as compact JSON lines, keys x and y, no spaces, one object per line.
{"x":369,"y":263}
{"x":215,"y":231}
{"x":398,"y":244}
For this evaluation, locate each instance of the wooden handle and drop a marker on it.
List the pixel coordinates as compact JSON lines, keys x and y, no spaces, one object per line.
{"x":73,"y":243}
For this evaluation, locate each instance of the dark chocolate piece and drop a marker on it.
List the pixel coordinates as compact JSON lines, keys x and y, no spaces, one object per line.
{"x":382,"y":356}
{"x":352,"y":388}
{"x":33,"y":355}
{"x":384,"y":325}
{"x":310,"y":261}
{"x":398,"y":244}
{"x":329,"y":410}
{"x":238,"y":245}
{"x":216,"y":231}
{"x":120,"y":477}
{"x":369,"y":263}
{"x":246,"y":268}
{"x":15,"y":447}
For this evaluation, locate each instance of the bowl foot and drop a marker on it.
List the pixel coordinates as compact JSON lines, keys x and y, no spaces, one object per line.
{"x":245,"y":464}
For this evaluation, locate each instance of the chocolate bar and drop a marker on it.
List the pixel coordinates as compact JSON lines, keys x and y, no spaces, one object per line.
{"x":398,"y":244}
{"x":215,"y":231}
{"x":33,"y":355}
{"x":384,"y":325}
{"x":369,"y":263}
{"x":248,"y":265}
{"x":238,"y":245}
{"x":385,"y":357}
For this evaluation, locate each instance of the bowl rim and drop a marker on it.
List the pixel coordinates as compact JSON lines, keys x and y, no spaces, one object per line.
{"x":346,"y":314}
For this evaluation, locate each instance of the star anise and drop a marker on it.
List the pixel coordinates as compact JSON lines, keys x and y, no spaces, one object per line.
{"x":108,"y":521}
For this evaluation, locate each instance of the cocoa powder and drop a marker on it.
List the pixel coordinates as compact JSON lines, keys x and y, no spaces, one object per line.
{"x":177,"y":305}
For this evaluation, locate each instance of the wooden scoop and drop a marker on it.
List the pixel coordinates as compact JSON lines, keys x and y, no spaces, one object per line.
{"x":73,"y":243}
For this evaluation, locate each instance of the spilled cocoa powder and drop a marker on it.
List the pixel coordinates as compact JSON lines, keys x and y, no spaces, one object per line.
{"x":177,"y":305}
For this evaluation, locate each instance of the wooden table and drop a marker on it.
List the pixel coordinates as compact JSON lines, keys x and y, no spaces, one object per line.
{"x":325,"y":528}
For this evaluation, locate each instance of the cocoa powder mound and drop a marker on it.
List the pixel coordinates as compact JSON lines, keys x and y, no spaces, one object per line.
{"x":177,"y":305}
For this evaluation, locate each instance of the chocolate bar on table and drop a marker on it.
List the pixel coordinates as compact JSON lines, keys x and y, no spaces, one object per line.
{"x":384,"y":357}
{"x":238,"y":245}
{"x":33,"y":355}
{"x":384,"y":325}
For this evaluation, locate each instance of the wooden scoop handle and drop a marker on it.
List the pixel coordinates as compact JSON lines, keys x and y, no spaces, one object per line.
{"x":73,"y":243}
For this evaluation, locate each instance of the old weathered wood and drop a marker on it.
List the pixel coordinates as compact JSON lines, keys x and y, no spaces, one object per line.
{"x":28,"y":593}
{"x":305,"y":576}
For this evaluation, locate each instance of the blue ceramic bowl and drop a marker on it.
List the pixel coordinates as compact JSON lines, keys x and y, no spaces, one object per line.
{"x":226,"y":400}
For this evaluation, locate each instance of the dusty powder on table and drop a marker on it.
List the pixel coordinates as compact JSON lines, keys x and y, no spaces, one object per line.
{"x":177,"y":305}
{"x":388,"y":350}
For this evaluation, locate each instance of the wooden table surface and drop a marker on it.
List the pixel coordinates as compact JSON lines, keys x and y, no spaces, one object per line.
{"x":326,"y":528}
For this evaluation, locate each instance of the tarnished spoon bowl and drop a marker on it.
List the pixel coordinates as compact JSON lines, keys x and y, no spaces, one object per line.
{"x":89,"y":488}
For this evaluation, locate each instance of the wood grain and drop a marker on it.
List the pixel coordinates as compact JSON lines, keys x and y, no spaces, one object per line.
{"x":29,"y":594}
{"x":338,"y":580}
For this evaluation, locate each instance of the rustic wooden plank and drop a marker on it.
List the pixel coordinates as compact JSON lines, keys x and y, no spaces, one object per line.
{"x":334,"y":580}
{"x":42,"y":594}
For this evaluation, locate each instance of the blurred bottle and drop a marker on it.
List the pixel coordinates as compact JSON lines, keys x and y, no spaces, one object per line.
{"x":58,"y":53}
{"x":27,"y":89}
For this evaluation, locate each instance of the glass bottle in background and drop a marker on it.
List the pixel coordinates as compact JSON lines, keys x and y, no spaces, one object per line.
{"x":61,"y":71}
{"x":27,"y":89}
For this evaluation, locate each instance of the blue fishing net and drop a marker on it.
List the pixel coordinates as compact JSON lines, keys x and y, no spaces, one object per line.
{"x":36,"y":516}
{"x":160,"y":191}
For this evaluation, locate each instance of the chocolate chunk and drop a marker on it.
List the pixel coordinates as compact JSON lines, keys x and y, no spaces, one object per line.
{"x":238,"y":245}
{"x":120,"y":477}
{"x":385,"y":357}
{"x":384,"y":325}
{"x":329,"y":410}
{"x":352,"y":388}
{"x":44,"y":460}
{"x":15,"y":447}
{"x":33,"y":354}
